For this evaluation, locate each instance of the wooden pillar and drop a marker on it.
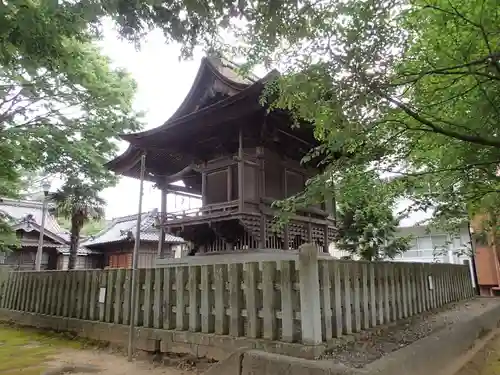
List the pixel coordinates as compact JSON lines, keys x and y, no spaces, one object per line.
{"x":285,"y":185}
{"x":229,"y":183}
{"x":334,"y":207}
{"x":286,"y":235}
{"x":261,"y":193}
{"x":262,"y":175}
{"x":241,"y":172}
{"x":309,"y":230}
{"x":325,"y":239}
{"x":163,"y":219}
{"x":263,"y":234}
{"x":203,"y":187}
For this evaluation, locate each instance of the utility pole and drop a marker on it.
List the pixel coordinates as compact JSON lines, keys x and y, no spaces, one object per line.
{"x":133,"y":304}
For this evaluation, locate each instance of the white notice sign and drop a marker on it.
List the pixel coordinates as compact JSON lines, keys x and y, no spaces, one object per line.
{"x":431,"y":283}
{"x":102,"y":295}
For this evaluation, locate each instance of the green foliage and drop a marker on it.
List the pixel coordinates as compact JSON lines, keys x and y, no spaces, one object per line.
{"x":191,"y":23}
{"x":8,"y":238}
{"x":89,"y":228}
{"x":366,"y":225}
{"x":80,"y":203}
{"x":62,"y":105}
{"x":406,"y":87}
{"x":369,"y":234}
{"x":454,"y":150}
{"x":66,"y":121}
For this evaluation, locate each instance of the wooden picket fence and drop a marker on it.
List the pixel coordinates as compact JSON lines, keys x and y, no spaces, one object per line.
{"x":308,"y":300}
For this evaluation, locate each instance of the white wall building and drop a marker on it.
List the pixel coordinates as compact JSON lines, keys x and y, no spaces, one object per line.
{"x":433,"y":246}
{"x":427,"y":246}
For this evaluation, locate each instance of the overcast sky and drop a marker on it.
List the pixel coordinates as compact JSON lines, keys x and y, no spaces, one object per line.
{"x":163,"y":82}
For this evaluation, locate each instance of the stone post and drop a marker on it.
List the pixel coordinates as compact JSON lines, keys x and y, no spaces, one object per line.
{"x":309,"y":295}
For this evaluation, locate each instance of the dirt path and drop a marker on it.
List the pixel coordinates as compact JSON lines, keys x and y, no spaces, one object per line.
{"x":27,"y":351}
{"x":82,"y":362}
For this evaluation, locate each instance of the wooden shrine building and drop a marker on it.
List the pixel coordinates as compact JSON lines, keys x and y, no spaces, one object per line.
{"x":239,"y":157}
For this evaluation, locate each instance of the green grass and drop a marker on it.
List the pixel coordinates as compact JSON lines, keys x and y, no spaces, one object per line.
{"x":26,"y":351}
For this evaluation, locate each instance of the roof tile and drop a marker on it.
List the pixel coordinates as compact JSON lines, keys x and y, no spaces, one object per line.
{"x":122,"y":227}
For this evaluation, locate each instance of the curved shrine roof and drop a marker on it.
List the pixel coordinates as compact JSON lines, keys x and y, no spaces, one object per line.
{"x":219,"y":93}
{"x":206,"y":125}
{"x":227,"y":90}
{"x":214,"y":73}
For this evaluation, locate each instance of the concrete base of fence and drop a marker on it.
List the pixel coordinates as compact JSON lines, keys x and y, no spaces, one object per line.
{"x":166,"y":341}
{"x":430,"y":355}
{"x":434,"y":354}
{"x":253,"y":362}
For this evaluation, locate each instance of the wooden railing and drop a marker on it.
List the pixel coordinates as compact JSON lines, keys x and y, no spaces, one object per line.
{"x":304,"y":211}
{"x":205,"y":211}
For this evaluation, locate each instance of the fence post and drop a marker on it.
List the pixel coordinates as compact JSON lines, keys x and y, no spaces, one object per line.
{"x":3,"y":288}
{"x":4,"y":275}
{"x":310,"y":306}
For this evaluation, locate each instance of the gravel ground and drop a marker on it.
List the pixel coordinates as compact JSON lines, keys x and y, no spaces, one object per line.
{"x":362,"y":348}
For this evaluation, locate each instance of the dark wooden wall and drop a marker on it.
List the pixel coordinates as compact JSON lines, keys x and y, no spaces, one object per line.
{"x":282,"y":178}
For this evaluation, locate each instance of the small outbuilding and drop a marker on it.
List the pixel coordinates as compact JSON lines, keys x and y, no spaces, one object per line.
{"x":116,"y":242}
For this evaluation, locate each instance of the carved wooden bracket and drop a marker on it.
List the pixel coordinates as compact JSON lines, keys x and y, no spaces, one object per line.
{"x":163,"y":181}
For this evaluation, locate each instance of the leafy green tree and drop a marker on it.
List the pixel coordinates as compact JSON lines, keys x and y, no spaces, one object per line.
{"x":39,"y":29}
{"x":365,"y":219}
{"x":364,"y":212}
{"x":406,"y":87}
{"x":62,"y":105}
{"x":453,"y":149}
{"x":369,"y":233}
{"x":80,"y":203}
{"x":94,"y":227}
{"x":90,"y":227}
{"x":66,"y":121}
{"x":8,"y":239}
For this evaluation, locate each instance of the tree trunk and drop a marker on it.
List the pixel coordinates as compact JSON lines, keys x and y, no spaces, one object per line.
{"x":74,"y":242}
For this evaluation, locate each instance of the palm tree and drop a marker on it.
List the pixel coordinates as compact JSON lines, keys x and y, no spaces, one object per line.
{"x":79,"y":203}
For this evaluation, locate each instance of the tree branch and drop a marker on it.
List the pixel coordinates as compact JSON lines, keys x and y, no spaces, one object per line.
{"x":452,"y":70}
{"x":491,"y":142}
{"x":479,"y":26}
{"x":437,"y":171}
{"x":479,"y":83}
